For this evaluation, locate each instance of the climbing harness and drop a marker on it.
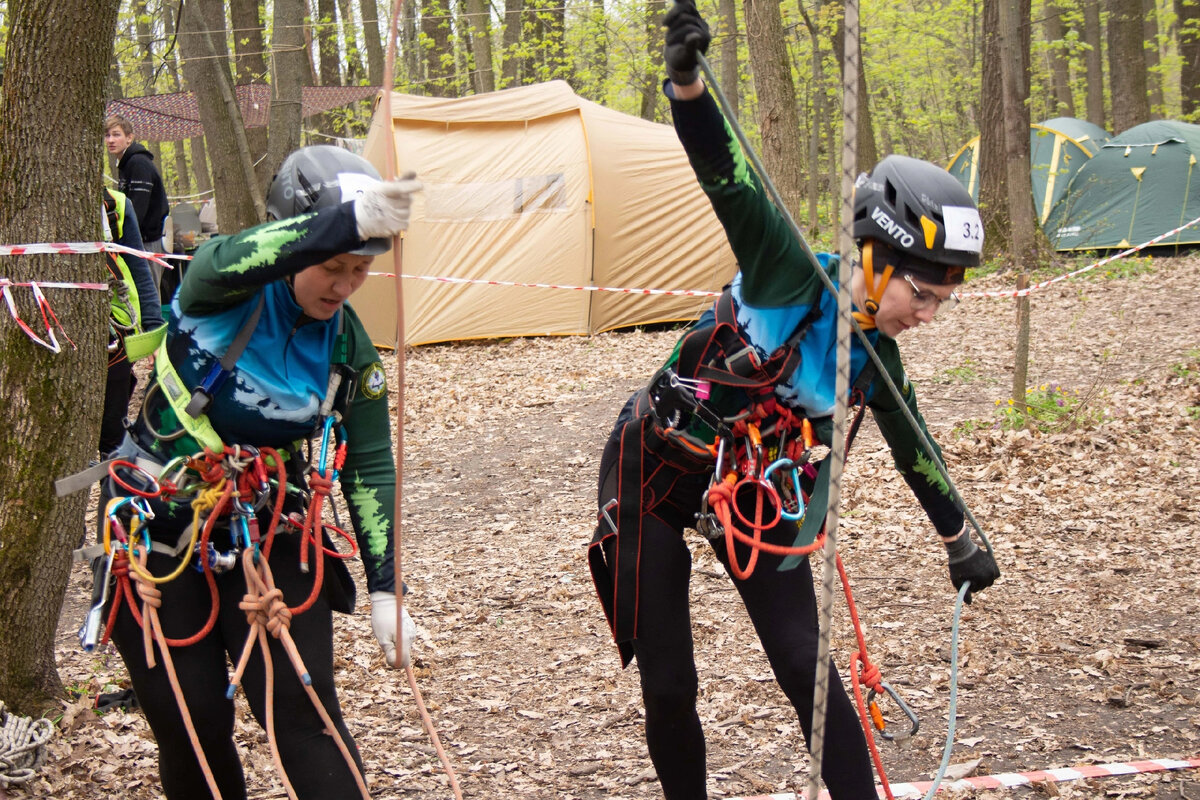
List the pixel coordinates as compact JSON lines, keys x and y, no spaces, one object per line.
{"x":226,"y":490}
{"x":22,"y":746}
{"x":847,"y":321}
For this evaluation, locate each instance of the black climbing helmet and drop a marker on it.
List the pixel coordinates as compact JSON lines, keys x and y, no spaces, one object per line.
{"x":309,"y":179}
{"x":921,"y":212}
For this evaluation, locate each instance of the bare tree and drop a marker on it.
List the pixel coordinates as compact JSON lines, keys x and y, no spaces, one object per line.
{"x":371,"y":26}
{"x":778,"y":122}
{"x":56,"y":60}
{"x":866,"y":155}
{"x":1127,"y":64}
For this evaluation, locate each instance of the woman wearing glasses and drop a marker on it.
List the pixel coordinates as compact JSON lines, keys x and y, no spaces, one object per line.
{"x":721,"y":436}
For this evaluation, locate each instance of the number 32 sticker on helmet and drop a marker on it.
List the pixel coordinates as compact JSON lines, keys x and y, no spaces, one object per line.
{"x":964,"y":230}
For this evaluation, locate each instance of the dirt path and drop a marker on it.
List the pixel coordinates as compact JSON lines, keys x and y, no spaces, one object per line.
{"x":1087,"y":650}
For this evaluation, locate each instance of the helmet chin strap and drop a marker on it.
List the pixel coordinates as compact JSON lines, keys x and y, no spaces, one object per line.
{"x":866,"y":320}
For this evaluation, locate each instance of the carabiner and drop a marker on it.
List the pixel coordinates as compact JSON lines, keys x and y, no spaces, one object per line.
{"x":790,"y":466}
{"x":877,"y":716}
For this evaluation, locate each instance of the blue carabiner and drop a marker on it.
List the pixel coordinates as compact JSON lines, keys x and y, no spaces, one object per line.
{"x":788,"y":464}
{"x":327,"y":430}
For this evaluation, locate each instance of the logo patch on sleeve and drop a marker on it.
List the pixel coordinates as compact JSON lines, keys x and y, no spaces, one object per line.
{"x":373,"y":382}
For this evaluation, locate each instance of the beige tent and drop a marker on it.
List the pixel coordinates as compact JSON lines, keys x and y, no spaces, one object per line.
{"x":536,"y":185}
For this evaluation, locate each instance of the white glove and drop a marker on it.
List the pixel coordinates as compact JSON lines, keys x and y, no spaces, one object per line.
{"x":382,"y":209}
{"x":383,"y":622}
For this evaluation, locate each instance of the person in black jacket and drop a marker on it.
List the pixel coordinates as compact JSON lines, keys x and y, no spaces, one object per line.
{"x":138,"y":179}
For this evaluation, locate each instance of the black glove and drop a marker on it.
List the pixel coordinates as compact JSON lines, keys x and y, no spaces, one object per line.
{"x":687,"y":35}
{"x":969,"y":563}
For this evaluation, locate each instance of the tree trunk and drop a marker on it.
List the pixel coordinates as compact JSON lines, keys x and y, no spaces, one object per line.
{"x":371,"y":26}
{"x":552,"y":31}
{"x":145,"y":39}
{"x":1189,"y":54}
{"x":993,"y":183}
{"x":287,"y":80}
{"x":1127,"y":64}
{"x":409,"y":46}
{"x":652,"y":78}
{"x":56,"y":63}
{"x":437,"y":51}
{"x":249,"y":66}
{"x":730,"y":84}
{"x":866,"y":154}
{"x":483,"y":77}
{"x":778,"y":122}
{"x":817,"y":90}
{"x":206,"y":68}
{"x":200,"y":169}
{"x":175,"y":82}
{"x":1058,"y":62}
{"x":329,"y":61}
{"x":512,"y":68}
{"x":348,"y":35}
{"x":1094,"y":39}
{"x":1154,"y":78}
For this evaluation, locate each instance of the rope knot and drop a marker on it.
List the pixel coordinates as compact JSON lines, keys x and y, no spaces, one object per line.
{"x":147,"y":591}
{"x":320,"y":484}
{"x":870,"y":677}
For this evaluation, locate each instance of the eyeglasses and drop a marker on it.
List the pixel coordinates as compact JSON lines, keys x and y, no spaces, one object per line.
{"x":923,"y":299}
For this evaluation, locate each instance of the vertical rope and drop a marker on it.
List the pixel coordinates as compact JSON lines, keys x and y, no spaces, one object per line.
{"x":389,"y":150}
{"x":842,"y":389}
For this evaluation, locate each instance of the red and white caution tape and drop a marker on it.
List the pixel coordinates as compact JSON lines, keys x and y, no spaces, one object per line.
{"x":1035,"y":287}
{"x":76,"y":248}
{"x":482,"y":282}
{"x":1008,"y":780}
{"x":49,"y":318}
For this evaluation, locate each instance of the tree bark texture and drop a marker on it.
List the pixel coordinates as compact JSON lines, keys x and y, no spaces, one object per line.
{"x":512,"y":67}
{"x":1154,"y":78}
{"x":435,"y":48}
{"x":1093,"y":37}
{"x":1188,"y":12}
{"x":867,"y":154}
{"x":1126,"y":64}
{"x":1059,"y":64}
{"x":483,"y":77}
{"x":328,"y":59}
{"x":653,"y":76}
{"x":206,"y":68}
{"x":374,"y":41}
{"x":728,"y":54}
{"x":57,"y":59}
{"x":993,"y":180}
{"x":183,"y":183}
{"x":287,"y":79}
{"x":249,"y":66}
{"x":778,"y":121}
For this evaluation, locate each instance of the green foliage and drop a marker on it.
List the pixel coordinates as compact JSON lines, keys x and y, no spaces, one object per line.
{"x":1049,"y":408}
{"x":965,"y":372}
{"x":1128,"y":267}
{"x":1188,"y":371}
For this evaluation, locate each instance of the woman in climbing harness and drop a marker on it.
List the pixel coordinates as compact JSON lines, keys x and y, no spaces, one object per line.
{"x":266,"y":390}
{"x":720,"y":439}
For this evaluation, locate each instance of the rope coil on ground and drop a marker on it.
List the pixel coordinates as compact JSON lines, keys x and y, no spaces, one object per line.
{"x":22,"y":746}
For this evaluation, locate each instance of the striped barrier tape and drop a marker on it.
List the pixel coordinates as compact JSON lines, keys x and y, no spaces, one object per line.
{"x":76,"y":248}
{"x":484,"y":282}
{"x":1009,"y":780}
{"x":1030,"y":289}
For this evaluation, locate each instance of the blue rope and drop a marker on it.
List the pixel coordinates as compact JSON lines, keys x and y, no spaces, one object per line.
{"x":941,"y":773}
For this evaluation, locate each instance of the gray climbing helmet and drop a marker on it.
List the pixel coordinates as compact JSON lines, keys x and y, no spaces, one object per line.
{"x":311,"y":178}
{"x":919,"y":210}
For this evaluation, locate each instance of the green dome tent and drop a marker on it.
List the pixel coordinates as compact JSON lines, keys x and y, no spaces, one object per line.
{"x":1140,"y":185}
{"x":1057,"y":148}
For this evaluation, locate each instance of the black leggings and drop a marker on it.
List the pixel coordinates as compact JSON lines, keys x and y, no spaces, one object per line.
{"x":783,"y":608}
{"x":314,"y":764}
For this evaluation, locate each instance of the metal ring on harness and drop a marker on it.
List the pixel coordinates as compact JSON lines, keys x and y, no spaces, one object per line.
{"x":139,"y":472}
